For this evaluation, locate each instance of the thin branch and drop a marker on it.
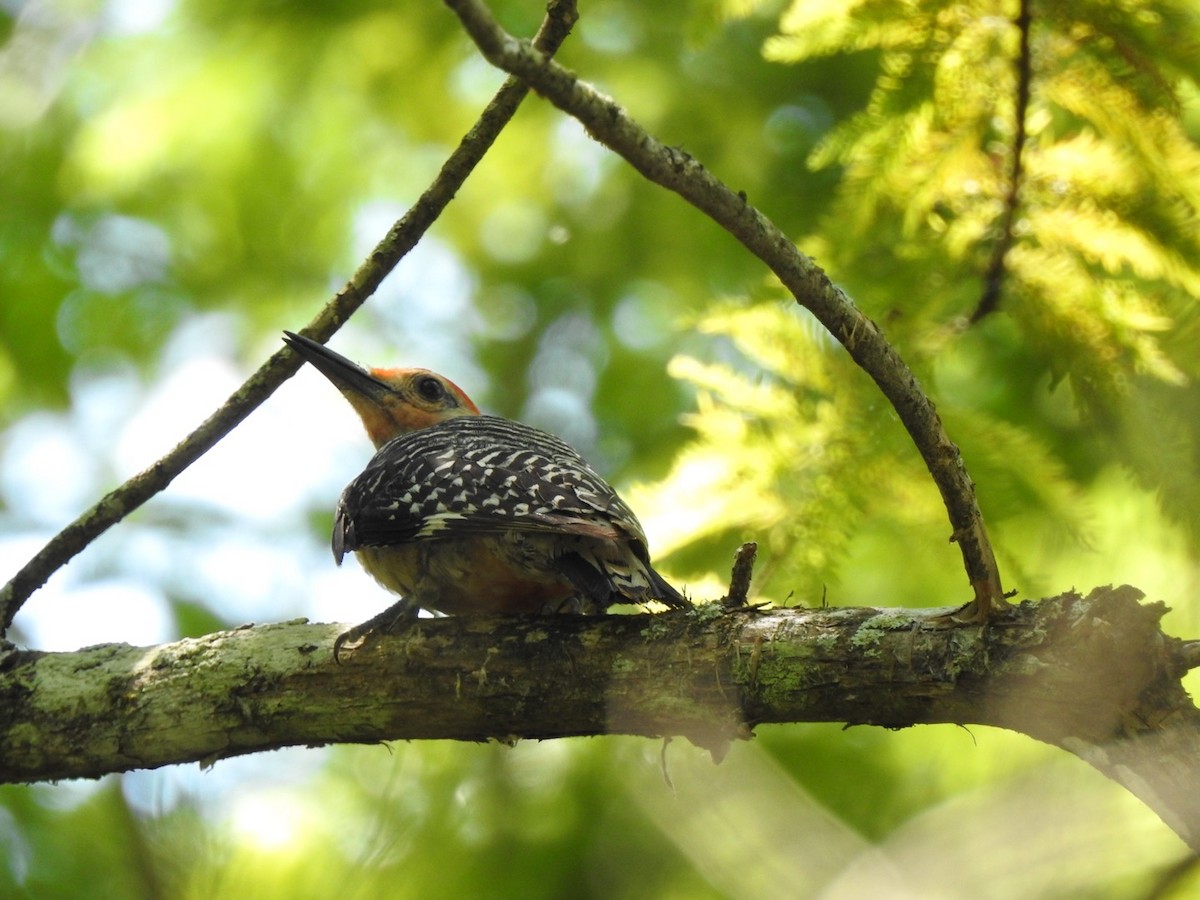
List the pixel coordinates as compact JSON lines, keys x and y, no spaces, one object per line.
{"x":675,"y":170}
{"x":993,"y":279}
{"x":1093,"y":675}
{"x":403,"y":236}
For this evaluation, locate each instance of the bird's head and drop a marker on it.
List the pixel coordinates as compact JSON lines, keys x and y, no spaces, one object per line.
{"x":390,"y":402}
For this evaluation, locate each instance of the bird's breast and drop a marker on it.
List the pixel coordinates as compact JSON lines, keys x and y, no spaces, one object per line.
{"x":478,"y":574}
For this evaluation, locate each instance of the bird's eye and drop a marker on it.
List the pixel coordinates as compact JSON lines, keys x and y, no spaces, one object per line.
{"x":430,"y":389}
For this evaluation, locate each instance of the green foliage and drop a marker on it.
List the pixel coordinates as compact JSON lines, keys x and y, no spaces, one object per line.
{"x":1110,"y":191}
{"x":1104,"y":274}
{"x":178,"y":191}
{"x":781,"y":453}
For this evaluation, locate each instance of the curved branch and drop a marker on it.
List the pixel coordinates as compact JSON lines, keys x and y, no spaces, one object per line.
{"x":675,"y":170}
{"x":1093,"y":675}
{"x":403,"y":236}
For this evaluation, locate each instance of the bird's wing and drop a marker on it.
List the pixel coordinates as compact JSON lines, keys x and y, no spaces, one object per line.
{"x":478,"y":475}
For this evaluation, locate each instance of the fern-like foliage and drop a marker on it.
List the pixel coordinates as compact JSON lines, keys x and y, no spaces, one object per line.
{"x":1112,"y":187}
{"x":1093,"y":354}
{"x":773,"y":459}
{"x":794,"y":448}
{"x":1102,"y":279}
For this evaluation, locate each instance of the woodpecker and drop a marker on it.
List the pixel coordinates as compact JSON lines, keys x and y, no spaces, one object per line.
{"x":463,"y":513}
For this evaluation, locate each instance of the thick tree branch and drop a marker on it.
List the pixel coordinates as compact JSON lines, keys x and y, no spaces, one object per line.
{"x":403,"y":236}
{"x":675,"y":170}
{"x":1093,"y":675}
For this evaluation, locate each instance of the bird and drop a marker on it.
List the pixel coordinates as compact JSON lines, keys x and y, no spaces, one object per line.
{"x":463,"y":513}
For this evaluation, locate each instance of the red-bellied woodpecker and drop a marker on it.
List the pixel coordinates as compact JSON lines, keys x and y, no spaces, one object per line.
{"x":464,"y":513}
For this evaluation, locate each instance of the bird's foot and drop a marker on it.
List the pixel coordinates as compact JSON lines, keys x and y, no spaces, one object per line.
{"x":396,"y":618}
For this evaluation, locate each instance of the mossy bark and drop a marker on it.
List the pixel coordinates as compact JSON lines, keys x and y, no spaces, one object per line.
{"x":1095,"y":676}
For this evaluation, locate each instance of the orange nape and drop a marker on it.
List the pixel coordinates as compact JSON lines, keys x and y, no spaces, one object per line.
{"x":404,"y":400}
{"x":390,"y":402}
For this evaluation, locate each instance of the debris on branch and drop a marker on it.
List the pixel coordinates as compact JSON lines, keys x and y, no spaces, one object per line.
{"x":743,"y":571}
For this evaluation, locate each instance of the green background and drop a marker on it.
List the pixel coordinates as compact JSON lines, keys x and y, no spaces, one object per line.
{"x":181,"y":181}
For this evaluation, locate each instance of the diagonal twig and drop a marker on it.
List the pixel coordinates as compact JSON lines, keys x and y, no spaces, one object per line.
{"x":561,"y":16}
{"x":993,"y":279}
{"x":677,"y":171}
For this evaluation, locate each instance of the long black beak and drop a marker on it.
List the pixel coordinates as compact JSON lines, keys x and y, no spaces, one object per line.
{"x":347,"y":376}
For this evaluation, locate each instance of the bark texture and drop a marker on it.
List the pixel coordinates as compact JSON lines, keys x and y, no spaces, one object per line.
{"x":1095,"y":676}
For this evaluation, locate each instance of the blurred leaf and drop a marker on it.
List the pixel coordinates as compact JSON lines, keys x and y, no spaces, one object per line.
{"x":181,"y":181}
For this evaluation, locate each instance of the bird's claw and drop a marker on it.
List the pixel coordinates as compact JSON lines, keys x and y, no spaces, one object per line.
{"x":394,"y":619}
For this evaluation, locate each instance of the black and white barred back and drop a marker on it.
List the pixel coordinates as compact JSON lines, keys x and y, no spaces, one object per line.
{"x":484,"y":475}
